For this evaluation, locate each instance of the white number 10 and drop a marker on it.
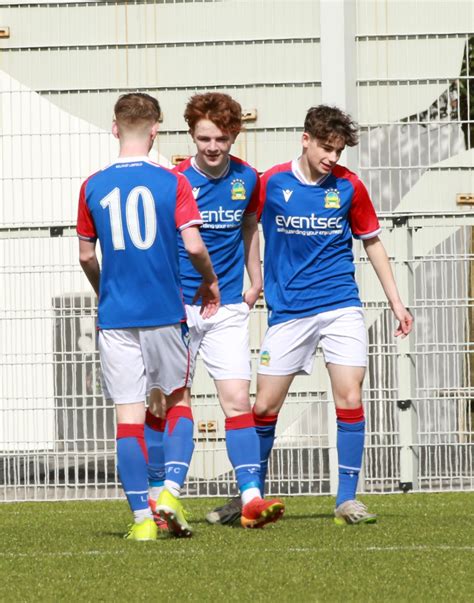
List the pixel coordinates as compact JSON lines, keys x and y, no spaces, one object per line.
{"x":112,"y":201}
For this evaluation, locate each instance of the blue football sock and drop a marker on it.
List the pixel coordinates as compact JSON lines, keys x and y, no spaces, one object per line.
{"x":243,"y":449}
{"x":154,"y":432}
{"x":178,"y":444}
{"x":265,"y":428}
{"x":132,"y":464}
{"x":350,"y":448}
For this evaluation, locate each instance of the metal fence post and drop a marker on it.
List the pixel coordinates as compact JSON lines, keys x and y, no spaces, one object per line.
{"x":407,"y":413}
{"x":338,"y":48}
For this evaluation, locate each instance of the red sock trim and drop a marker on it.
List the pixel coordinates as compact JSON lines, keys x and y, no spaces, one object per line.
{"x":240,"y":422}
{"x":264,"y":420}
{"x":175,"y":413}
{"x":155,"y":423}
{"x":179,"y":411}
{"x":133,"y":430}
{"x":130,"y":430}
{"x":350,"y":415}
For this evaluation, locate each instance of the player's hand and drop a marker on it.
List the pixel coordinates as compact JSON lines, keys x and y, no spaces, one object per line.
{"x":405,"y":319}
{"x":251,"y":296}
{"x":210,"y":297}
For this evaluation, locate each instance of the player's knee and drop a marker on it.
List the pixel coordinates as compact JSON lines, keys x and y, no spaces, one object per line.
{"x":236,"y":405}
{"x":350,"y":400}
{"x":264,"y":408}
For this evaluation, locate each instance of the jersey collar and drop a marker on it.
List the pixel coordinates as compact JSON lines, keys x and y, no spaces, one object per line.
{"x":132,"y":159}
{"x":295,"y":168}
{"x":205,"y":174}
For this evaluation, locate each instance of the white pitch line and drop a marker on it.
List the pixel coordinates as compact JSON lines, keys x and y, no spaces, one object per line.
{"x":193,"y":551}
{"x":384,"y":548}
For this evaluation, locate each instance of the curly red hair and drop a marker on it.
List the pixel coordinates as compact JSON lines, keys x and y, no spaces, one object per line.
{"x":221,"y":109}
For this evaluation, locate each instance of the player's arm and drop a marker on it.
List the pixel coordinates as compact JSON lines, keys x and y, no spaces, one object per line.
{"x":197,"y":252}
{"x":379,"y":260}
{"x":90,"y":263}
{"x":251,"y":241}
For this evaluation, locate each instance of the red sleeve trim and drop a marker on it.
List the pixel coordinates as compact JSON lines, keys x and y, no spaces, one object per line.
{"x":85,"y":224}
{"x":252,"y":207}
{"x":362,"y":216}
{"x":181,"y":167}
{"x":187,"y":212}
{"x":282,"y":167}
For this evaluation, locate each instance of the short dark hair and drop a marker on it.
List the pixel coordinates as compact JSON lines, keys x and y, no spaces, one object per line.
{"x":136,"y":109}
{"x":325,"y":122}
{"x":220,"y":108}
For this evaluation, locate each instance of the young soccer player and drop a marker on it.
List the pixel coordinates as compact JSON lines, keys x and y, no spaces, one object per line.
{"x":226,"y":191}
{"x":311,"y":208}
{"x":136,"y":209}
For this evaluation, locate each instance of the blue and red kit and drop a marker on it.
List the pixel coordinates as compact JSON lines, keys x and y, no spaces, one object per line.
{"x":223,"y":202}
{"x":308,"y":230}
{"x":135,"y":208}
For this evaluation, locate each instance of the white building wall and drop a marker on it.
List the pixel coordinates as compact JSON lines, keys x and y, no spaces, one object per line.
{"x":63,"y":67}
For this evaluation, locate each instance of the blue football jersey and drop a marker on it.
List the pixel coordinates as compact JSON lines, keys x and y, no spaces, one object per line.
{"x":222,"y":202}
{"x":135,"y":208}
{"x":308,"y":230}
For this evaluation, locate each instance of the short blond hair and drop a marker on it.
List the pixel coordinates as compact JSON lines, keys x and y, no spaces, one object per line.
{"x":136,"y":109}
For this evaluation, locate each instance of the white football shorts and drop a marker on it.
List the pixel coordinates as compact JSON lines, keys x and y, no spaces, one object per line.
{"x":135,"y":361}
{"x":222,"y":340}
{"x":289,"y":347}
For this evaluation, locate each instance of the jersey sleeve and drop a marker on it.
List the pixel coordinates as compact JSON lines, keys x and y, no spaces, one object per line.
{"x":187,"y":213}
{"x":252,"y":207}
{"x":283,"y":167}
{"x":85,"y":224}
{"x":362,"y":217}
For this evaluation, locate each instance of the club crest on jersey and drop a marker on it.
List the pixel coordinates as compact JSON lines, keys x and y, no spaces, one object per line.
{"x":196,"y":192}
{"x":265,"y":358}
{"x":332,"y":200}
{"x":237,"y":190}
{"x":287,"y":194}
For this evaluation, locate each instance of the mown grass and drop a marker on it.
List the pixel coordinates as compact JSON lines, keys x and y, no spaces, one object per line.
{"x":421,"y":549}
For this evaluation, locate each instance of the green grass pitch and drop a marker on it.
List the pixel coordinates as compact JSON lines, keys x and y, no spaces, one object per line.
{"x":421,"y":549}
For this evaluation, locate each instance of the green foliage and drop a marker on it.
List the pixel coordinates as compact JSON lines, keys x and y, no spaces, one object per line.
{"x":422,"y":549}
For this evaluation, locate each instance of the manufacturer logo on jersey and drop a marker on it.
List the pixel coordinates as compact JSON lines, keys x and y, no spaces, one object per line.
{"x":287,"y":194}
{"x":237,"y":190}
{"x":196,"y":192}
{"x":332,"y":200}
{"x":265,"y":358}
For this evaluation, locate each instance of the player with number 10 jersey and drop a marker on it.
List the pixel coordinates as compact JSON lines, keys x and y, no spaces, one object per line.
{"x":137,"y":226}
{"x":137,"y":210}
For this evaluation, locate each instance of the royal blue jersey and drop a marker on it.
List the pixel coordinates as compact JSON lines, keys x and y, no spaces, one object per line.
{"x":308,"y":230}
{"x":135,"y":208}
{"x":223,"y":202}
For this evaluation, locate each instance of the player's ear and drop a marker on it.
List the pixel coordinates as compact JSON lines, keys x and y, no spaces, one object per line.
{"x":305,"y":140}
{"x":154,"y":130}
{"x":115,"y":129}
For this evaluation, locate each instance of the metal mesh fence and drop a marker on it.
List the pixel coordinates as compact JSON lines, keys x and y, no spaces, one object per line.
{"x":414,"y":94}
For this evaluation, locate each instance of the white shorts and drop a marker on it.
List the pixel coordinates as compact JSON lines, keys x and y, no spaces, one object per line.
{"x":289,"y":347}
{"x":222,"y":340}
{"x":135,"y":361}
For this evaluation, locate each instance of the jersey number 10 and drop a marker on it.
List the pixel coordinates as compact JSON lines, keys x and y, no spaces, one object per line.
{"x":112,"y":201}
